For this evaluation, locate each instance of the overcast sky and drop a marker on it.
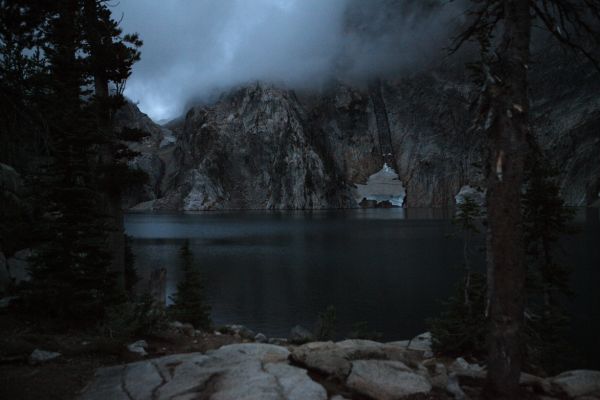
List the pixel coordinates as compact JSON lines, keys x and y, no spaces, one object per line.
{"x":195,"y":49}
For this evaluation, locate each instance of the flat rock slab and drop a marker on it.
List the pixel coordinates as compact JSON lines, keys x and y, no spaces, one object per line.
{"x":421,"y":343}
{"x":324,"y":357}
{"x":386,"y":380}
{"x":578,"y":383}
{"x":250,"y":371}
{"x":334,"y":359}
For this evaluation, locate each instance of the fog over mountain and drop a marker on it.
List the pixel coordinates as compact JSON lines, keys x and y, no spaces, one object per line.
{"x":196,"y":49}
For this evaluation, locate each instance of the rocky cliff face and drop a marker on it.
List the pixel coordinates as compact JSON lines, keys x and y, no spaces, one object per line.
{"x":156,"y":154}
{"x":566,"y":120}
{"x":251,"y":150}
{"x":266,"y":147}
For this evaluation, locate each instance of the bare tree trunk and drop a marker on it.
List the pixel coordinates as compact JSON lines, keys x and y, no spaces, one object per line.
{"x":507,"y":130}
{"x":467,"y":288}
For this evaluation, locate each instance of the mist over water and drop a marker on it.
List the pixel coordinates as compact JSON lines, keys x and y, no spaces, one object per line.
{"x":195,"y":50}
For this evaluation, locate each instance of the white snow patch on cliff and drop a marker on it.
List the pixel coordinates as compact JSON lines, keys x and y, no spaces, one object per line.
{"x":384,"y":185}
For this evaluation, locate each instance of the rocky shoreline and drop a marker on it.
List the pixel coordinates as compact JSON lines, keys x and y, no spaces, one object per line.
{"x":348,"y":369}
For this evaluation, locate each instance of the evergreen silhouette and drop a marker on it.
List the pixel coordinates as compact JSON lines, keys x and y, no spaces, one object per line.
{"x":189,"y":305}
{"x":76,"y":153}
{"x":546,"y":218}
{"x":462,"y":328}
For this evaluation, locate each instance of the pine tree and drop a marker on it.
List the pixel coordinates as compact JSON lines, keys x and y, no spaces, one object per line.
{"x":70,"y":275}
{"x":505,"y":28}
{"x":22,"y":71}
{"x":326,"y":324}
{"x":189,"y":305}
{"x":461,"y":328}
{"x":71,"y":271}
{"x":110,"y":59}
{"x":545,"y":220}
{"x":468,"y":213}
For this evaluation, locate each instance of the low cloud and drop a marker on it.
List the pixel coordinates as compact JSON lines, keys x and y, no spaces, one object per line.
{"x":197,"y":49}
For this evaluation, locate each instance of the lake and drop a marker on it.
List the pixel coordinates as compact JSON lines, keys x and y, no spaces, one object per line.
{"x":387,"y":268}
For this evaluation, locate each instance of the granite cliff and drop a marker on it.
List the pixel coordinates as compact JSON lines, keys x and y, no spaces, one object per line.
{"x":267,"y":147}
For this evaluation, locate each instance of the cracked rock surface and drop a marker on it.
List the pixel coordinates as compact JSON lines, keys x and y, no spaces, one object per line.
{"x":386,"y":380}
{"x":357,"y":369}
{"x":235,"y":372}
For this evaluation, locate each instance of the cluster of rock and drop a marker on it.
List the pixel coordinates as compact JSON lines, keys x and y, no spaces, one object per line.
{"x":320,"y":371}
{"x":397,"y":370}
{"x":298,"y":334}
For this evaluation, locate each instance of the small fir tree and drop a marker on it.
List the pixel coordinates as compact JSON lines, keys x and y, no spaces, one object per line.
{"x":361,"y":330}
{"x":468,"y":213}
{"x":326,"y":324}
{"x":461,"y":328}
{"x":188,"y":303}
{"x":142,"y":316}
{"x":545,"y":219}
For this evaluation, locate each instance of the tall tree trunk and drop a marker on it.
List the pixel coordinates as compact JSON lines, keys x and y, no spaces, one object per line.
{"x":508,"y":131}
{"x":112,"y":198}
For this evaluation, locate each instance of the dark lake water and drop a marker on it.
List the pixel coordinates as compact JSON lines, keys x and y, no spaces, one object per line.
{"x":389,"y":268}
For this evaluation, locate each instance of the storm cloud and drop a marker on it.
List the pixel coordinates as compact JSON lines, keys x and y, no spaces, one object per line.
{"x":197,"y":49}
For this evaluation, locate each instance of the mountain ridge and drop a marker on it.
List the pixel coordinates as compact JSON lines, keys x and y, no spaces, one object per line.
{"x":262,"y":146}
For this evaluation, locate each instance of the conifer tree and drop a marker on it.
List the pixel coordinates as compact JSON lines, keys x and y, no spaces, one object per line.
{"x":461,"y":328}
{"x":71,"y":271}
{"x":189,"y":305}
{"x":70,"y":276}
{"x":109,"y":62}
{"x":326,"y":324}
{"x":545,"y":220}
{"x":22,"y":71}
{"x":503,"y":29}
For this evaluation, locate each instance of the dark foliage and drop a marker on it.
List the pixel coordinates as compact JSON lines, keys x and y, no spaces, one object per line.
{"x":461,"y":329}
{"x":143,"y":316}
{"x":326,"y":324}
{"x":545,"y":219}
{"x":503,"y":30}
{"x":50,"y":53}
{"x":361,"y":330}
{"x":130,"y":277}
{"x":189,"y":305}
{"x":131,"y":134}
